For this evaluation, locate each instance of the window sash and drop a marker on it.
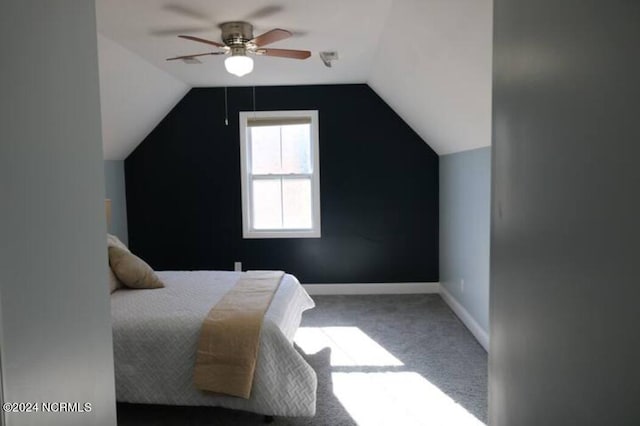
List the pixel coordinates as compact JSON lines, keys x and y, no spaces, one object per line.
{"x":279,"y":123}
{"x":282,"y":177}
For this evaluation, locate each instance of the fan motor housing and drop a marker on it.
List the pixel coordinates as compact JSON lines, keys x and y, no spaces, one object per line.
{"x":236,"y":33}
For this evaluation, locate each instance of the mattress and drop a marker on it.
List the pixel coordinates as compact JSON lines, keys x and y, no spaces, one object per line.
{"x":155,"y":336}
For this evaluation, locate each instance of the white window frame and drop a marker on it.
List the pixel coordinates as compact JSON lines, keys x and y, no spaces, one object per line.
{"x":245,"y":159}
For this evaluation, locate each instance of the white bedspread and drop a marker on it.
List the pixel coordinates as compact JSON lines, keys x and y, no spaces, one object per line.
{"x":155,"y":336}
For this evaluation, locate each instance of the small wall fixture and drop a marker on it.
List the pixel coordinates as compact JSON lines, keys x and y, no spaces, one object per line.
{"x":328,"y":58}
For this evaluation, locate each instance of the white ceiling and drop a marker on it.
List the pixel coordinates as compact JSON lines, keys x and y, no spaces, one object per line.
{"x":430,"y":60}
{"x":352,"y":28}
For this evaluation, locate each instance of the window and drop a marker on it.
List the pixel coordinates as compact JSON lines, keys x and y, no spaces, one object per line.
{"x":280,"y":174}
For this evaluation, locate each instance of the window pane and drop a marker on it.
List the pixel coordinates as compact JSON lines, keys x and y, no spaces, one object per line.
{"x":265,"y":150}
{"x":267,"y":204}
{"x":296,"y":148}
{"x":297,"y":203}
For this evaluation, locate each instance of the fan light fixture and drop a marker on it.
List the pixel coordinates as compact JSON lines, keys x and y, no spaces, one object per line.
{"x":239,"y":65}
{"x":239,"y":42}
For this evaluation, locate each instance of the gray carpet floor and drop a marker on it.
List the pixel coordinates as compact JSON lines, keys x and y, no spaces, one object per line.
{"x":418,"y":330}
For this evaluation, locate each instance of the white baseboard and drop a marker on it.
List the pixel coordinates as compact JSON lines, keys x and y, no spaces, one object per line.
{"x":478,"y":332}
{"x":373,"y":288}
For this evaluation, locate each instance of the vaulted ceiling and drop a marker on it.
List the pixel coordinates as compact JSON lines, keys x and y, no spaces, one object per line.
{"x":430,"y":60}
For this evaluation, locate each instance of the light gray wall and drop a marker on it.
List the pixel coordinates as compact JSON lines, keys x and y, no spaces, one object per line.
{"x":565,"y":288}
{"x":465,"y":206}
{"x":56,"y":329}
{"x":115,"y":191}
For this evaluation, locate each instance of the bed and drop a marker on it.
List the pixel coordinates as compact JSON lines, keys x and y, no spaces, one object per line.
{"x":155,"y":336}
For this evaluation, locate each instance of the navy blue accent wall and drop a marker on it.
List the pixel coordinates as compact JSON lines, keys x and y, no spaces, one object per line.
{"x":378,"y":186}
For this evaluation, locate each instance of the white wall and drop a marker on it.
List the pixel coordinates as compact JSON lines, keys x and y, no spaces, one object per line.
{"x":135,"y":96}
{"x":435,"y":71}
{"x":55,"y":316}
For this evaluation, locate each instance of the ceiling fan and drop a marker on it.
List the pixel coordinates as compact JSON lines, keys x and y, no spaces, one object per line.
{"x":239,"y":42}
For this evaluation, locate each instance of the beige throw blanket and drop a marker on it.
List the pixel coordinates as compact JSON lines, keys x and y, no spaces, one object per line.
{"x":230,"y":335}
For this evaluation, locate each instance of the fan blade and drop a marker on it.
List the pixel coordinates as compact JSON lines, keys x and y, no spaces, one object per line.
{"x":202,"y":40}
{"x":186,"y":11}
{"x":196,"y":55}
{"x":271,"y":37}
{"x":263,"y":12}
{"x":285,"y":53}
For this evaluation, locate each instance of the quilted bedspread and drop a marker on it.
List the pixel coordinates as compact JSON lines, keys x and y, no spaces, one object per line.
{"x":155,"y":336}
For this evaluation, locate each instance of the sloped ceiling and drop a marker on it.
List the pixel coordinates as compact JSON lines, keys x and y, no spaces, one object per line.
{"x":439,"y":81}
{"x":134,"y":97}
{"x":430,"y":60}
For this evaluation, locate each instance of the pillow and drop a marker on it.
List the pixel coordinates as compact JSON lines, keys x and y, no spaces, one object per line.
{"x":131,"y":270}
{"x":112,"y":241}
{"x":114,"y":282}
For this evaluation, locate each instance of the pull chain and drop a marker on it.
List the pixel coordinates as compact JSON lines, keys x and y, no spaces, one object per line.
{"x":226,"y":108}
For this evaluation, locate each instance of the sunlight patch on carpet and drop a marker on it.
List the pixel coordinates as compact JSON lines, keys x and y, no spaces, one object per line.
{"x":350,"y":346}
{"x":398,"y":398}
